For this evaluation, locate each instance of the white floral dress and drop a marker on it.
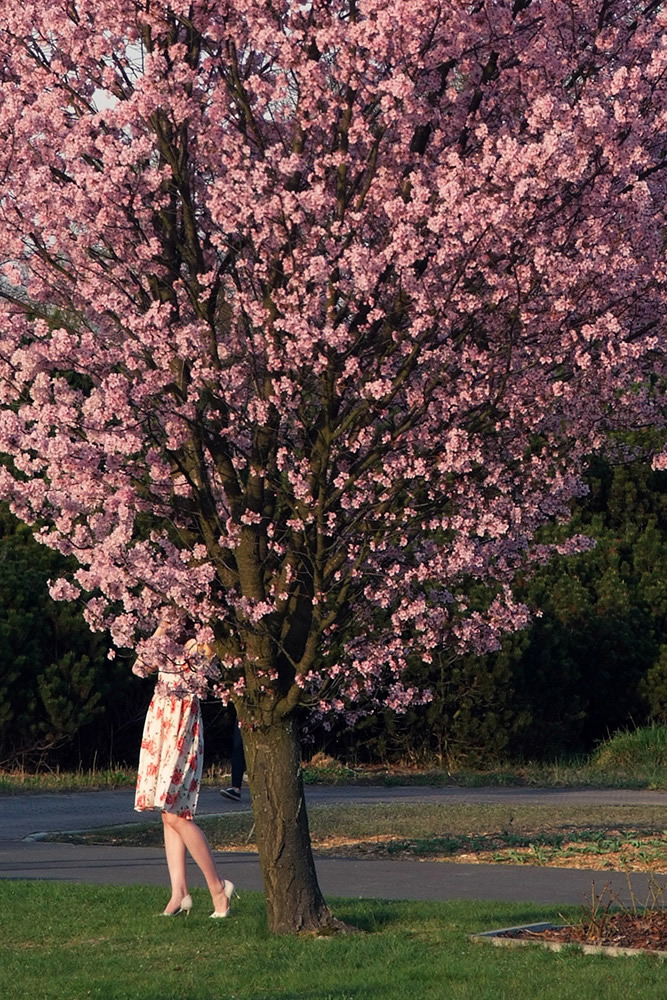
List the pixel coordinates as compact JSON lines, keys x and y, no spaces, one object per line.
{"x":172,"y":750}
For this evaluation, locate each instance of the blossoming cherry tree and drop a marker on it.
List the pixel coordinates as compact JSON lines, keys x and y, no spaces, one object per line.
{"x":310,"y":314}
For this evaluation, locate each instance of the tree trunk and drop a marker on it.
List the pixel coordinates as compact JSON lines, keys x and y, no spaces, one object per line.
{"x":293,"y":899}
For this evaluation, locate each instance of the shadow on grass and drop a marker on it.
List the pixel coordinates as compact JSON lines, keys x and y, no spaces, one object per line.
{"x":370,"y":915}
{"x":374,"y":916}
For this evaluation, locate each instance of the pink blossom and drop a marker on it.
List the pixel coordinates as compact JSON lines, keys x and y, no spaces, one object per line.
{"x":63,"y":590}
{"x":304,"y":358}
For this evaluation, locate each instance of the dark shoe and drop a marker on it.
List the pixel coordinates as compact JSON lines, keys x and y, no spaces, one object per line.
{"x":231,"y":793}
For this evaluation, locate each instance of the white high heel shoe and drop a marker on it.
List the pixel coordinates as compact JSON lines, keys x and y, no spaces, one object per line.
{"x":228,"y":890}
{"x":185,"y":907}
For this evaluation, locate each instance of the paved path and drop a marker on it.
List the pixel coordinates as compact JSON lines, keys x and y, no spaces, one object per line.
{"x":429,"y":880}
{"x":21,"y":816}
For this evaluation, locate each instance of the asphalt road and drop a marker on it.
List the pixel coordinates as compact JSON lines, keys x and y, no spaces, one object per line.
{"x":26,"y":815}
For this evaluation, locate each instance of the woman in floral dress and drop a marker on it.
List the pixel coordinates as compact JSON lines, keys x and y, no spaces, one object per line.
{"x":170,"y":768}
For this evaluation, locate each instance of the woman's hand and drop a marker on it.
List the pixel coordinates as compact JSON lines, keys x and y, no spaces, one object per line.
{"x":205,"y":648}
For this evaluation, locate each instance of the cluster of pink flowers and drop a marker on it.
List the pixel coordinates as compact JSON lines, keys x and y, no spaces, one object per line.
{"x":311,"y":312}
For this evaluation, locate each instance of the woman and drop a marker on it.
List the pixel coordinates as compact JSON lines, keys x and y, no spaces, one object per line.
{"x":170,"y":768}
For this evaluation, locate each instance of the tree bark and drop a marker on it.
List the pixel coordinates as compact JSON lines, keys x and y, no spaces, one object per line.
{"x":294,"y":902}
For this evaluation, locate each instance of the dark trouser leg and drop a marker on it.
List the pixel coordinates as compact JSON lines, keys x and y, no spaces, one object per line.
{"x":238,"y":757}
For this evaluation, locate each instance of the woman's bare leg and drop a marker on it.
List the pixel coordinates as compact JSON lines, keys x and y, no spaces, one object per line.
{"x":174,"y":849}
{"x":195,"y":840}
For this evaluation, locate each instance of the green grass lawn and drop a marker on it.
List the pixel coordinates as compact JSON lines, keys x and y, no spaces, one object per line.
{"x":19,"y":782}
{"x":559,"y":774}
{"x":626,"y":760}
{"x":70,"y":942}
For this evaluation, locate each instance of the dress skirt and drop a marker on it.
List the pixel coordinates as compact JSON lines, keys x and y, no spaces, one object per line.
{"x":172,"y":754}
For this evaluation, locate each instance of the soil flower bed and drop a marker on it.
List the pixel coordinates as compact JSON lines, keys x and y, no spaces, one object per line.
{"x":647,"y":931}
{"x":605,"y":925}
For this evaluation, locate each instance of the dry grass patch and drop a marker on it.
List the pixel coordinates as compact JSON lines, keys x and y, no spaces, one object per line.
{"x":596,"y":837}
